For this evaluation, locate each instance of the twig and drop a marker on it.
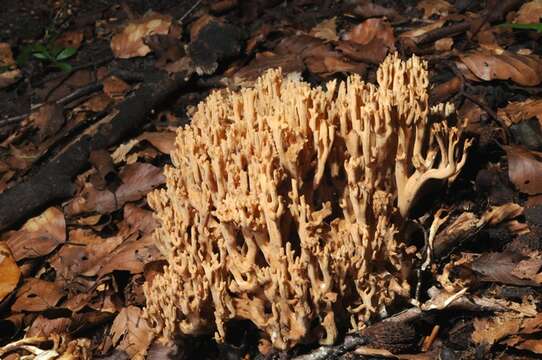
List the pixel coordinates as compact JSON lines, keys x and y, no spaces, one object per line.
{"x":462,"y":92}
{"x":74,"y":69}
{"x":189,"y":11}
{"x":53,"y":181}
{"x":78,"y":93}
{"x":452,"y":30}
{"x":446,"y":31}
{"x":334,"y":352}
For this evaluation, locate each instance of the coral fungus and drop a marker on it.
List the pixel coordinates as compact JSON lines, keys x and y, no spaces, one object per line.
{"x":284,"y":204}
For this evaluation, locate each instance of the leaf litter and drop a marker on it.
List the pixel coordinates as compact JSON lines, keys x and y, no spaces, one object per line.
{"x":73,"y":271}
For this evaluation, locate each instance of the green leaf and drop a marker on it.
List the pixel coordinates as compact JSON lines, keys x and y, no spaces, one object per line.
{"x":536,"y":27}
{"x":41,"y":56}
{"x":63,"y":66}
{"x":66,"y":53}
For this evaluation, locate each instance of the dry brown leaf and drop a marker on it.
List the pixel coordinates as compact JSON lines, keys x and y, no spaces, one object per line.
{"x":115,"y":88}
{"x":137,"y":180}
{"x":131,"y":255}
{"x":71,"y":39}
{"x":139,"y":219}
{"x":525,"y":169}
{"x":490,"y":331}
{"x":434,"y":7}
{"x":368,"y":9}
{"x":444,"y":44}
{"x":415,"y":33}
{"x":131,"y":333}
{"x":374,"y":52}
{"x":38,"y":236}
{"x":330,"y":64}
{"x":95,"y":103}
{"x":37,"y":295}
{"x":10,"y":272}
{"x":292,"y":62}
{"x":519,"y":342}
{"x":518,"y":111}
{"x":84,"y":253}
{"x":6,"y":55}
{"x":511,"y":329}
{"x":371,"y":29}
{"x":486,"y":65}
{"x":529,"y":13}
{"x":164,"y":141}
{"x":45,"y":327}
{"x":121,"y":152}
{"x":48,"y":119}
{"x":320,"y":58}
{"x":326,"y":30}
{"x":11,"y":74}
{"x":508,"y":268}
{"x":130,"y":43}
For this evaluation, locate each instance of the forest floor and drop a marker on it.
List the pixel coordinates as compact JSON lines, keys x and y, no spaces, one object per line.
{"x":91,"y":93}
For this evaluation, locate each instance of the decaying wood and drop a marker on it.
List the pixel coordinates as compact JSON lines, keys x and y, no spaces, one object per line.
{"x":54,"y":180}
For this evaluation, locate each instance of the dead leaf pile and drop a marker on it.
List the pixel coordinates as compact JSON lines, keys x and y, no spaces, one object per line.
{"x":485,"y":65}
{"x":130,"y":41}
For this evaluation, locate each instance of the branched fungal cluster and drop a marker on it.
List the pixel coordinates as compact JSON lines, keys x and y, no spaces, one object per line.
{"x":284,"y":204}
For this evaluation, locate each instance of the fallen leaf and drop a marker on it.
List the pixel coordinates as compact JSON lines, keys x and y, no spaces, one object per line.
{"x":9,"y":270}
{"x":164,"y":141}
{"x":121,"y":152}
{"x":320,"y":58}
{"x":82,"y":254}
{"x":374,"y":52}
{"x":131,"y":333}
{"x":6,"y":55}
{"x":39,"y":236}
{"x":106,"y":175}
{"x":511,"y":329}
{"x":326,"y":30}
{"x":131,"y":255}
{"x":37,"y":295}
{"x":10,"y":74}
{"x":486,"y":65}
{"x":70,"y":39}
{"x":96,"y":103}
{"x":442,"y":92}
{"x":507,"y":268}
{"x":140,"y":219}
{"x":518,"y":111}
{"x":434,"y":7}
{"x":525,"y":169}
{"x":444,"y":44}
{"x":137,"y":180}
{"x":529,"y":13}
{"x":9,"y":77}
{"x":368,"y":9}
{"x":115,"y":88}
{"x":419,"y":31}
{"x":57,"y":88}
{"x":490,"y":331}
{"x":43,"y":326}
{"x":48,"y":119}
{"x":523,"y":343}
{"x":129,"y":42}
{"x":292,"y":62}
{"x":372,"y":29}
